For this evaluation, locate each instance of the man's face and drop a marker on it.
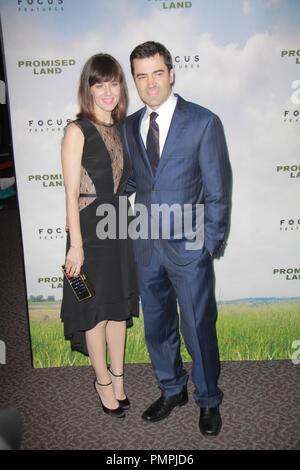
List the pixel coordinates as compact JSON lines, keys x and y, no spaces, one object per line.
{"x":153,"y":80}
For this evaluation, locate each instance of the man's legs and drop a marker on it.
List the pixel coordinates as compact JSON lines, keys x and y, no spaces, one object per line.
{"x":194,"y":286}
{"x":161,"y":325}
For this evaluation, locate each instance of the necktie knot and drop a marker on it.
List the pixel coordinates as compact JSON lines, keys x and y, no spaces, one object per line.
{"x":153,"y":116}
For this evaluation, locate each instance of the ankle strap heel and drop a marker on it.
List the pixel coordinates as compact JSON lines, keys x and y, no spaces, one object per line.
{"x":102,"y":385}
{"x":117,"y":412}
{"x":125,"y":404}
{"x":109,"y":369}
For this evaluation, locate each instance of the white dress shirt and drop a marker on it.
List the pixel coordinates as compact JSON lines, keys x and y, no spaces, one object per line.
{"x":165,"y":114}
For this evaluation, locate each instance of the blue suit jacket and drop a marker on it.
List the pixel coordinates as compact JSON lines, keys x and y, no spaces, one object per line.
{"x":193,"y":169}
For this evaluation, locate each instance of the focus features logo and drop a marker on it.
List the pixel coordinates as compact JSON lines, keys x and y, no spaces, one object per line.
{"x":40,"y":5}
{"x":46,"y":66}
{"x":292,"y":115}
{"x":47,"y":125}
{"x":289,"y":225}
{"x":56,"y":233}
{"x":186,"y":61}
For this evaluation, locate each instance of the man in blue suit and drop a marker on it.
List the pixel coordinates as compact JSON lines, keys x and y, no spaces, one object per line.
{"x":179,"y":156}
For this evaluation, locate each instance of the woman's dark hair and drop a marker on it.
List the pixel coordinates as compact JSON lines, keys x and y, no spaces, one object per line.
{"x":101,"y":68}
{"x":149,"y":49}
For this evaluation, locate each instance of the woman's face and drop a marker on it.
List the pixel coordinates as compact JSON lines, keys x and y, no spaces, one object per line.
{"x":106,"y":96}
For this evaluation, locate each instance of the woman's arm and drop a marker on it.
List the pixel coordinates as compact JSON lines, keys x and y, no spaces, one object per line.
{"x":71,"y":156}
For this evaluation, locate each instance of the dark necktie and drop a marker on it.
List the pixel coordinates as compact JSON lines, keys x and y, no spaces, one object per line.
{"x":153,"y":142}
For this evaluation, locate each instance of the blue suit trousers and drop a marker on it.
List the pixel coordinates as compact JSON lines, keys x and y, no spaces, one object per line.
{"x":161,"y":284}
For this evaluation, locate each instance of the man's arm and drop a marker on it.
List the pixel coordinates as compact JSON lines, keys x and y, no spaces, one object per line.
{"x":216,"y":175}
{"x":131,"y":185}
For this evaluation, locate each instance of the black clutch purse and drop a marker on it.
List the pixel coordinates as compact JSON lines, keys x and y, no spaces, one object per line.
{"x":81,"y":286}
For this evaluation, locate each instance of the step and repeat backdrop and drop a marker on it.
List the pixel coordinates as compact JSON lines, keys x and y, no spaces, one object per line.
{"x":241,"y":59}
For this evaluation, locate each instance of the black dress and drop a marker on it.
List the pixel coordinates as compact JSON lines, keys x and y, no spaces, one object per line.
{"x":108,"y":262}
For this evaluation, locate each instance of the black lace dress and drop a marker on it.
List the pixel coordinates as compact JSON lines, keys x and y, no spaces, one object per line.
{"x":108,"y":262}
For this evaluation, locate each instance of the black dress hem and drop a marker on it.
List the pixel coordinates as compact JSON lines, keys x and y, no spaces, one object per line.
{"x":106,"y":312}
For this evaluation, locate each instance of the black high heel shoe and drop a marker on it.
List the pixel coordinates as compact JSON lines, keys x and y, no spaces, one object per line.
{"x":125,"y":404}
{"x":117,"y":412}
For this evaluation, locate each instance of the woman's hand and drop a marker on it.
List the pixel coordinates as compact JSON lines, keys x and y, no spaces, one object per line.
{"x":74,"y":261}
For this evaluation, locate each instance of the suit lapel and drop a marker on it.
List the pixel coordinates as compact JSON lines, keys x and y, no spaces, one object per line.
{"x":176,"y":131}
{"x":139,"y":140}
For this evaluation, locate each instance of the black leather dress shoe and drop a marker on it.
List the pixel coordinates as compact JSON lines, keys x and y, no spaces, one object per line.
{"x":162,"y":407}
{"x":210,"y":422}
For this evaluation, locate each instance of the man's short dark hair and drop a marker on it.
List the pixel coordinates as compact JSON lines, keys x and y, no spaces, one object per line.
{"x":149,"y":49}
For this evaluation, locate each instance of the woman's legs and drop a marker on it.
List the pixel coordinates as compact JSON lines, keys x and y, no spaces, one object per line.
{"x":115,"y":337}
{"x":96,"y":345}
{"x":112,"y":334}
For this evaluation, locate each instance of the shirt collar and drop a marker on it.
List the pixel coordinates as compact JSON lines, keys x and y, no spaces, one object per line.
{"x":167,"y":107}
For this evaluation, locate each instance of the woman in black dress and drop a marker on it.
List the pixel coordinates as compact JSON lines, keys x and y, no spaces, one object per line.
{"x":96,"y":168}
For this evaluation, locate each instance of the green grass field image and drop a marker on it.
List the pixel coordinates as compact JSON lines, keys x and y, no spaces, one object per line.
{"x":252,"y":329}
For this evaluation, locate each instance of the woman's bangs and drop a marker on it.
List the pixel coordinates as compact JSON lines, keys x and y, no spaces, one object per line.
{"x":104,"y":70}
